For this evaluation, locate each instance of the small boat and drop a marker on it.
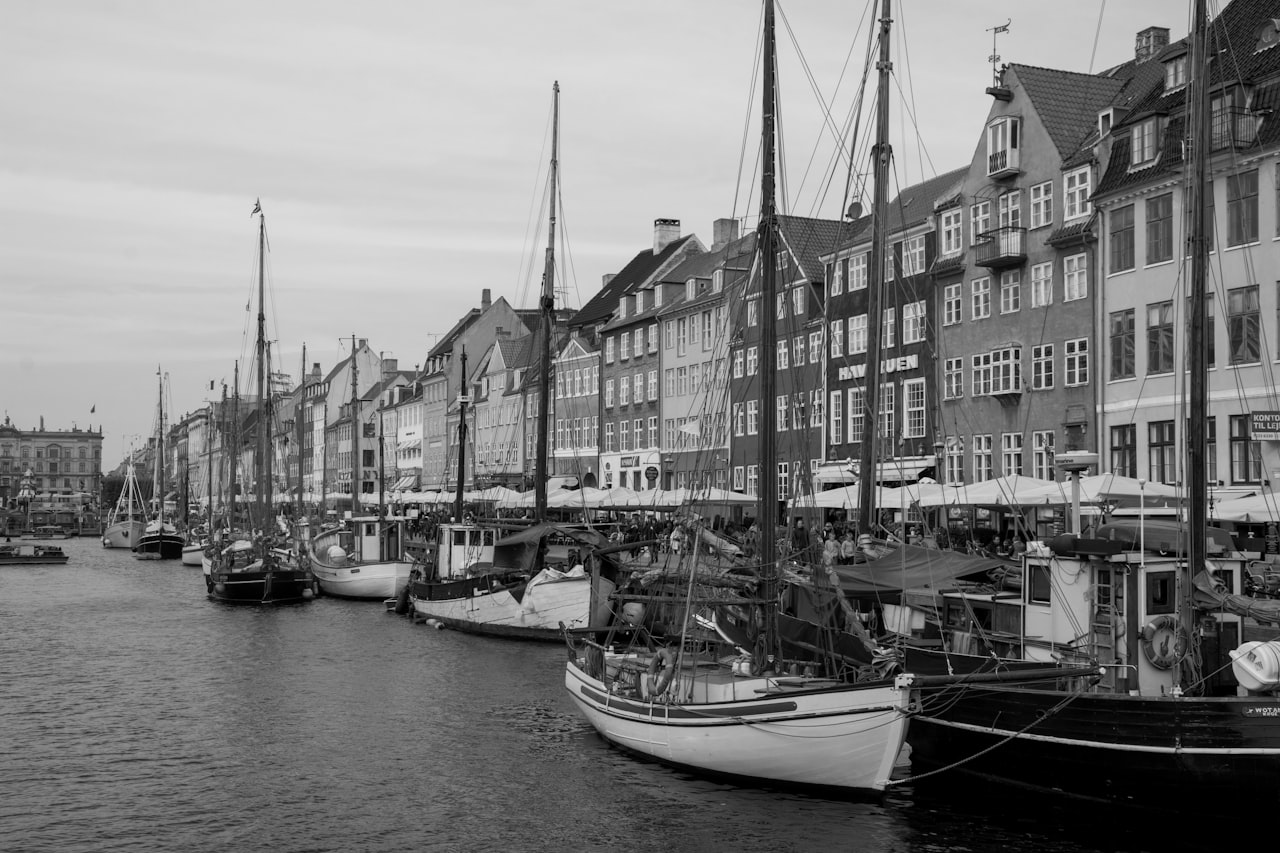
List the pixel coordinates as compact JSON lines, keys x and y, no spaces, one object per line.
{"x":31,"y":555}
{"x":126,"y":521}
{"x":193,"y":550}
{"x":159,"y":539}
{"x":49,"y":531}
{"x":366,"y":560}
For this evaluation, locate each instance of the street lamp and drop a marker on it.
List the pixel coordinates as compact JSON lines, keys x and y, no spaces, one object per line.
{"x":1075,"y":463}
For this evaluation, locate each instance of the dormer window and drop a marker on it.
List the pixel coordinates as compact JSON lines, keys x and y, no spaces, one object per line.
{"x":782,"y":259}
{"x":1143,"y":147}
{"x":691,"y":289}
{"x":1003,"y":140}
{"x":1175,"y":73}
{"x":717,"y":281}
{"x":657,"y":296}
{"x":639,"y":301}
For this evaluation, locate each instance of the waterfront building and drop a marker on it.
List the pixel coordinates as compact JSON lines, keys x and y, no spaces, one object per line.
{"x":575,"y":450}
{"x":62,"y":470}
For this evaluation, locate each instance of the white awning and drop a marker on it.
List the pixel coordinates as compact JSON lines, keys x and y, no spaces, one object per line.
{"x":902,"y":469}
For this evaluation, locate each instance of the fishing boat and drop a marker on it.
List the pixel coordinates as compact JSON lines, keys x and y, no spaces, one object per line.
{"x":258,"y":567}
{"x":159,"y":539}
{"x":700,"y":670}
{"x":126,"y":520}
{"x":505,"y":581}
{"x":23,"y":554}
{"x":365,"y":558}
{"x":1183,"y":706}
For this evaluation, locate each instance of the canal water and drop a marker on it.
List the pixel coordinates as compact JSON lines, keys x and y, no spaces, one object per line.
{"x":137,"y":715}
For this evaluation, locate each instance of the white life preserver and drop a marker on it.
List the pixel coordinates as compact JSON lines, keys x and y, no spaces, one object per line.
{"x":1165,"y":641}
{"x":662,"y":669}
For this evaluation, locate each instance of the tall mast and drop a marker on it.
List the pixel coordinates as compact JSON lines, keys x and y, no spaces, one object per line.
{"x":382,"y":471}
{"x":234,"y":461}
{"x":297,"y":429}
{"x":208,"y":462}
{"x":548,"y":304}
{"x":462,"y":438}
{"x":767,"y":230}
{"x":355,"y":432}
{"x":1197,"y":340}
{"x":262,"y":453}
{"x":158,"y":486}
{"x":875,"y":271}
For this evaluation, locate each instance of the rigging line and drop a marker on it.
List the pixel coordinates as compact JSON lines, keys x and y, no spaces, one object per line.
{"x":1097,"y":34}
{"x":746,"y":120}
{"x":904,"y":52}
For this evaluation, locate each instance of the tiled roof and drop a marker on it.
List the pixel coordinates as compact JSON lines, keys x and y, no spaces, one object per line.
{"x":809,"y":239}
{"x":703,"y":265}
{"x":637,"y":271}
{"x":1068,"y":102}
{"x":517,"y":352}
{"x":916,"y":203}
{"x":445,"y":344}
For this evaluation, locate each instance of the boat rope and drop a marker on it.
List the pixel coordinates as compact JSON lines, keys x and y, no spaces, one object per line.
{"x":1039,"y":719}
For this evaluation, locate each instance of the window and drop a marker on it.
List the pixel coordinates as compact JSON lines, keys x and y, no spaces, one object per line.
{"x":890,"y":261}
{"x":1009,"y":209}
{"x":1042,"y":454}
{"x":1076,"y":366}
{"x":653,"y":385}
{"x":982,"y":462}
{"x":737,"y":364}
{"x":888,"y":329}
{"x":1042,"y":285}
{"x":780,"y":303}
{"x":858,"y":334}
{"x":693,"y":329}
{"x":1121,"y":326}
{"x":784,"y":482}
{"x":1075,"y":278}
{"x":1010,"y":291}
{"x":1160,"y":452}
{"x":653,"y":432}
{"x":815,"y":347}
{"x":955,"y":459}
{"x":1042,"y":367}
{"x":682,"y":381}
{"x":981,"y":367}
{"x":858,"y":272}
{"x":782,"y":355}
{"x":953,"y":378}
{"x":682,"y":335}
{"x":1242,"y":208}
{"x":753,"y":417}
{"x":1246,"y":455}
{"x":1243,"y":320}
{"x":608,"y":393}
{"x":1160,"y":229}
{"x":837,"y":338}
{"x":913,"y":256}
{"x":753,"y":361}
{"x":1175,"y":73}
{"x":637,"y":389}
{"x":980,"y":289}
{"x":624,"y":390}
{"x":637,"y":433}
{"x":1124,"y":450}
{"x":888,"y":399}
{"x":857,"y":413}
{"x":1143,"y":147}
{"x":1042,"y":204}
{"x":913,"y":392}
{"x":1002,"y":145}
{"x":608,"y":350}
{"x":624,"y":346}
{"x":753,"y":311}
{"x":653,"y":338}
{"x":1075,"y":194}
{"x":798,"y":300}
{"x":951,"y":304}
{"x":668,"y":334}
{"x":1160,"y":338}
{"x":739,"y":480}
{"x":783,"y":405}
{"x":835,"y":279}
{"x":610,"y":441}
{"x":913,"y":322}
{"x":739,"y":419}
{"x":837,"y":417}
{"x":1011,"y":453}
{"x":753,"y":479}
{"x":1120,"y":239}
{"x":797,"y":350}
{"x":952,"y":232}
{"x":979,"y":221}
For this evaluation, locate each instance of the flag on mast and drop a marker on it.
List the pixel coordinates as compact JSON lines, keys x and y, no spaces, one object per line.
{"x":257,"y":208}
{"x":93,"y":408}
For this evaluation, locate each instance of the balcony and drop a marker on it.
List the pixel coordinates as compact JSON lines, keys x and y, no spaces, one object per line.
{"x":1003,"y":163}
{"x":1234,"y":129}
{"x":1000,"y":248}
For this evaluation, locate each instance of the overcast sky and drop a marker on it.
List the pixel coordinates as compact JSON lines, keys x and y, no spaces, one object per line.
{"x":400,"y":151}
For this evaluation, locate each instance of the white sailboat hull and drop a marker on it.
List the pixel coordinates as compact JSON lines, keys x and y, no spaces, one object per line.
{"x":193,"y":555}
{"x":363,"y":580}
{"x":537,"y":612}
{"x":122,"y":534}
{"x":838,"y":737}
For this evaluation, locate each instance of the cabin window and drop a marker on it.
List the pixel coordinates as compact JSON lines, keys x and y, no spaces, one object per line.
{"x":488,"y":537}
{"x":1007,"y":619}
{"x":1160,"y":593}
{"x":460,"y":538}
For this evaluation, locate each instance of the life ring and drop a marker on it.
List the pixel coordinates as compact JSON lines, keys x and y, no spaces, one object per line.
{"x":1164,"y":641}
{"x":661,"y":670}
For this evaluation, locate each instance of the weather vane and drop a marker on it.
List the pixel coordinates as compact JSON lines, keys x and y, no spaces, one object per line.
{"x":994,"y":59}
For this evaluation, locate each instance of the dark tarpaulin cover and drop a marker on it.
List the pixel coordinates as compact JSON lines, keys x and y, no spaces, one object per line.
{"x":531,"y":535}
{"x":912,"y":567}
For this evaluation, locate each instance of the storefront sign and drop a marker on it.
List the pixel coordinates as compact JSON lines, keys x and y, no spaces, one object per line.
{"x":1264,"y":426}
{"x":889,"y":365}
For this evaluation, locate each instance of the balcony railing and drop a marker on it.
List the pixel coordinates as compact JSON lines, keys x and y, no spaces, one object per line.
{"x":1233,"y":129}
{"x":1002,"y":163}
{"x":1002,"y":247}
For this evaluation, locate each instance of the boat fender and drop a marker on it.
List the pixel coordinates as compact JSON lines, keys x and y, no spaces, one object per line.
{"x":220,"y":588}
{"x":308,"y":594}
{"x":402,"y":601}
{"x":1164,"y":641}
{"x":662,"y":669}
{"x":315,"y":587}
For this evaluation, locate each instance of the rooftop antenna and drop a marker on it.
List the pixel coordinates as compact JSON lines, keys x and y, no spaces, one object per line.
{"x":997,"y":75}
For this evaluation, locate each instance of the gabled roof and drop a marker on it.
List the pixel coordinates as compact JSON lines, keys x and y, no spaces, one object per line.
{"x":702,"y":266}
{"x":639,"y":270}
{"x":809,"y":239}
{"x":445,"y":344}
{"x":1068,"y":102}
{"x":516,"y":352}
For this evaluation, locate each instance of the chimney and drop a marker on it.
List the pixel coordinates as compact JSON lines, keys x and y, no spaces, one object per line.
{"x":606,"y":278}
{"x":315,"y":369}
{"x":389,"y":366}
{"x":723,"y":232}
{"x":665,"y":232}
{"x":485,"y":301}
{"x":1149,"y":43}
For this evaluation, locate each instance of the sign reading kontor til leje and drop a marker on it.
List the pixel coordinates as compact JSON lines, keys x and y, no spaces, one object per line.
{"x":1264,"y":426}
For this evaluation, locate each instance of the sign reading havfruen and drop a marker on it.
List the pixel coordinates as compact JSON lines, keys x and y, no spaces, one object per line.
{"x":1264,"y":426}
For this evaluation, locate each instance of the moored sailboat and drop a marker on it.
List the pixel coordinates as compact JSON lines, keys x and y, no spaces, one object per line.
{"x":701,"y":676}
{"x":128,"y":518}
{"x":159,"y":539}
{"x":483,"y":580}
{"x":258,"y":567}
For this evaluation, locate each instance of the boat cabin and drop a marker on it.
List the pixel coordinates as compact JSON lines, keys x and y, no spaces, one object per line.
{"x":461,"y":546}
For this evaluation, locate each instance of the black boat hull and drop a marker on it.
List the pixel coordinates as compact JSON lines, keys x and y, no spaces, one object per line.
{"x":281,"y":586}
{"x":1140,"y":750}
{"x":164,"y":546}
